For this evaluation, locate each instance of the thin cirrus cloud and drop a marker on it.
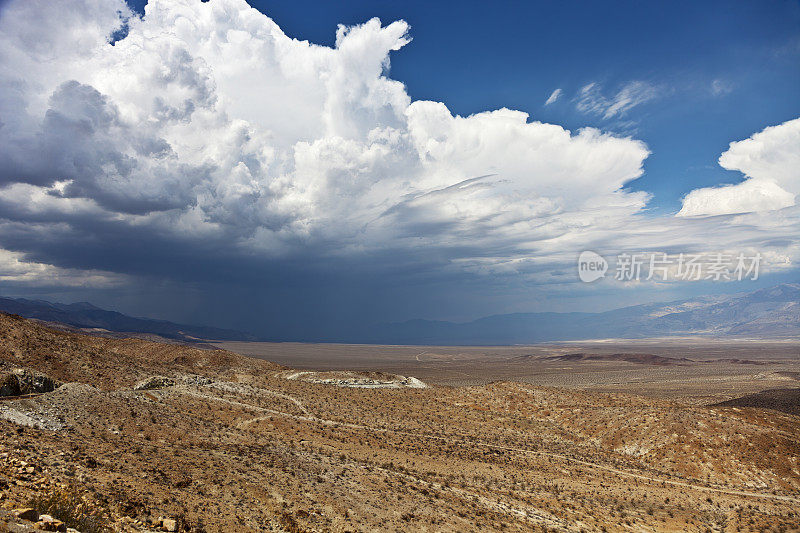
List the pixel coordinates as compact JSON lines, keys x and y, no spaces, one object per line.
{"x":720,"y":87}
{"x":590,"y":98}
{"x":554,"y":96}
{"x":207,"y":133}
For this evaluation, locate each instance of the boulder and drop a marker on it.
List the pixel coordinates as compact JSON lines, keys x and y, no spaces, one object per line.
{"x":24,"y":381}
{"x":9,"y":384}
{"x":48,"y":523}
{"x":169,"y":524}
{"x":27,"y":514}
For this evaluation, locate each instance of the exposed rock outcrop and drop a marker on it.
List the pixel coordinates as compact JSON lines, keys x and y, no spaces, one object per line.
{"x":155,"y":382}
{"x":23,"y":381}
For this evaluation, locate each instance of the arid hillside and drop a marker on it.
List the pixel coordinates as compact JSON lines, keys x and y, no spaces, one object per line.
{"x":140,"y":436}
{"x":107,"y":363}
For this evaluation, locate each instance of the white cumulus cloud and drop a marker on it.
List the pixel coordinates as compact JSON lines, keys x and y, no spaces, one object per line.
{"x":770,"y":160}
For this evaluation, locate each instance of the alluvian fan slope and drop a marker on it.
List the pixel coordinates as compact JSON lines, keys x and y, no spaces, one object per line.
{"x":105,"y":434}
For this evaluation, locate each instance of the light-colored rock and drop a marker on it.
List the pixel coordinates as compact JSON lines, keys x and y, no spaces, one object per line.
{"x":169,"y":524}
{"x":29,"y":418}
{"x":48,"y":523}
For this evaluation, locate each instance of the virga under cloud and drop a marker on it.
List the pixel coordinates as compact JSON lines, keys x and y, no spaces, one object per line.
{"x":207,"y":128}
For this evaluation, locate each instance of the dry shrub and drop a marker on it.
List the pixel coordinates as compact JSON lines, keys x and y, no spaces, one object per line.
{"x":289,"y":523}
{"x":70,"y":507}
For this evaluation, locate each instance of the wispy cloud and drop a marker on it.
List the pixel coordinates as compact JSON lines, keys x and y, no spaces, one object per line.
{"x":555,"y":95}
{"x":721,"y":87}
{"x":590,"y":98}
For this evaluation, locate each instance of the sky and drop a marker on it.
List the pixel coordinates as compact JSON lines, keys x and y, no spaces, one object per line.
{"x":693,"y":55}
{"x":301,"y":168}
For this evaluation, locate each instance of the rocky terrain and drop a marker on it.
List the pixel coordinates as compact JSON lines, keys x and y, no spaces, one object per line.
{"x":141,"y":436}
{"x":370,"y":380}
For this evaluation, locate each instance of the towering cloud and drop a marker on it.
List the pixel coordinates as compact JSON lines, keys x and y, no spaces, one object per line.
{"x":129,"y":145}
{"x":207,"y":120}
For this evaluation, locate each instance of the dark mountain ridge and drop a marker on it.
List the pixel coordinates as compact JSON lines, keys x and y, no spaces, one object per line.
{"x":87,"y":316}
{"x":768,"y":313}
{"x":765,"y":313}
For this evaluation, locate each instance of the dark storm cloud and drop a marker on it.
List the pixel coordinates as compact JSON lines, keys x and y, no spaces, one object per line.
{"x":205,"y":155}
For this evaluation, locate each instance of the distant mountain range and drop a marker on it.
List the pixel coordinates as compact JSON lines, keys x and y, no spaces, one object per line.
{"x":770,"y":312}
{"x":764,"y":313}
{"x":84,"y":315}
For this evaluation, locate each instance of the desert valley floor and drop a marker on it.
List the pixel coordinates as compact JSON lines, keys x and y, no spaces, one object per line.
{"x":698,"y":371}
{"x":679,"y":435}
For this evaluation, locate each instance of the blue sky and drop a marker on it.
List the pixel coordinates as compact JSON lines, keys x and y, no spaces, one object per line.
{"x":213,"y":167}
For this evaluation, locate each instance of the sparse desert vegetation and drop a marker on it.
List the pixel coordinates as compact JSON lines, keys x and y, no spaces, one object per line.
{"x":213,"y":441}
